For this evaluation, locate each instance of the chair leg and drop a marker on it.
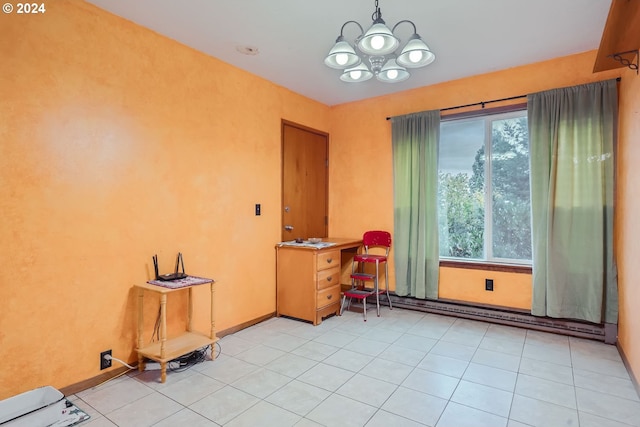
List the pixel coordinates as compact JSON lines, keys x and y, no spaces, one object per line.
{"x":364,"y":308}
{"x":344,"y":299}
{"x":377,"y":291}
{"x":386,"y":283}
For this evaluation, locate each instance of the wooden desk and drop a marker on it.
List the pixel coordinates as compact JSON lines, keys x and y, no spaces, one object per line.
{"x":308,"y":279}
{"x":167,"y":349}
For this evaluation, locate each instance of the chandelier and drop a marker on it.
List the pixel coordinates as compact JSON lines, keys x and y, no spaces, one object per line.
{"x":373,"y":53}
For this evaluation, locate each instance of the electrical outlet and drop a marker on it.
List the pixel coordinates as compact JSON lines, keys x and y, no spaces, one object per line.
{"x":488,"y":284}
{"x":105,"y":363}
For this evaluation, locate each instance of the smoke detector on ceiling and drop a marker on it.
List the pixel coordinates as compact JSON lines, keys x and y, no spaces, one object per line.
{"x":248,"y":50}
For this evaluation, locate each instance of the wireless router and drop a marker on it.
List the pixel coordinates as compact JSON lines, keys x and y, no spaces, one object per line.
{"x":173,"y":276}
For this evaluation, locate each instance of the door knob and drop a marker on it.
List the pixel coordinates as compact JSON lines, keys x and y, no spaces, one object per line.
{"x":288,"y":227}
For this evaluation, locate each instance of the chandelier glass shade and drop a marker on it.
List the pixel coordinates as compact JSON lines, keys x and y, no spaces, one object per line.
{"x":373,"y":53}
{"x":359,"y":73}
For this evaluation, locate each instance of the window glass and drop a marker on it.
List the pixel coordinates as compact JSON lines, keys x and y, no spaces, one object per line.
{"x":484,"y":193}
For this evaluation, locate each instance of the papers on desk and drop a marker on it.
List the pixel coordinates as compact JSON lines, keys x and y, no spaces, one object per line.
{"x":307,"y":244}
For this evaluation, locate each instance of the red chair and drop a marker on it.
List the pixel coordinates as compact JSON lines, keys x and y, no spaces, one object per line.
{"x":359,"y":276}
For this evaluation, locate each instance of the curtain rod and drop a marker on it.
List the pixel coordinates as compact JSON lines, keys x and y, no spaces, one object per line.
{"x":487,"y":102}
{"x":479,"y":103}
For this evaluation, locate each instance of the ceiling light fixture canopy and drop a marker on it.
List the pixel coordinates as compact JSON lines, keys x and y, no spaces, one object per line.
{"x":374,"y":53}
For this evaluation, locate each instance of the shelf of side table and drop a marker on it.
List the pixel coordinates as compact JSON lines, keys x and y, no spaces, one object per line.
{"x":167,"y":349}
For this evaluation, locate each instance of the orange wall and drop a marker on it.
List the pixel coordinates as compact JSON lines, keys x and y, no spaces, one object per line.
{"x":115,"y":144}
{"x":627,"y":214}
{"x":509,"y":289}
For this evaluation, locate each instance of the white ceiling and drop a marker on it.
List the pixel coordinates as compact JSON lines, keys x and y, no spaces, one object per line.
{"x":293,"y":36}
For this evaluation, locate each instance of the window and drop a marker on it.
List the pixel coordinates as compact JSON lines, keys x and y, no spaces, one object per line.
{"x":483,"y":190}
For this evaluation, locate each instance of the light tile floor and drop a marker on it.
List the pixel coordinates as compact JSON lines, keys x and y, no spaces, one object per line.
{"x":404,"y":368}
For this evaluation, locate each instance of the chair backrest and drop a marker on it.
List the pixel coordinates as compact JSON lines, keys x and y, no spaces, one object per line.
{"x":376,"y":238}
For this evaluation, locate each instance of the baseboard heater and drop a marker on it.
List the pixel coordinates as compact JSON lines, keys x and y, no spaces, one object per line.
{"x":504,"y":316}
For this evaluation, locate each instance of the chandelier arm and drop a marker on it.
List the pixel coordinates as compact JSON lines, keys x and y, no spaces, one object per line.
{"x":348,"y":22}
{"x":393,"y":30}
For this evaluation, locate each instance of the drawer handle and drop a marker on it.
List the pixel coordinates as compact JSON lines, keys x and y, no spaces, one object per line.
{"x":329,"y":278}
{"x":329,"y":296}
{"x":329,"y":260}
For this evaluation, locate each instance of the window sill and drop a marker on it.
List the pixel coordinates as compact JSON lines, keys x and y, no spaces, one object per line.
{"x":481,"y":265}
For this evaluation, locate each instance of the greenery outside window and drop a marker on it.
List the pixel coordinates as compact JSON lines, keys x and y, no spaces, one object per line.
{"x":484,"y":196}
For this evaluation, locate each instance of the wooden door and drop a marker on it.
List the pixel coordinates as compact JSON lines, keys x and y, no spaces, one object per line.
{"x":304,"y":182}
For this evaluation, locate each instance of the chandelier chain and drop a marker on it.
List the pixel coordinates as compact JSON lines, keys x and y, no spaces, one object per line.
{"x":376,"y":14}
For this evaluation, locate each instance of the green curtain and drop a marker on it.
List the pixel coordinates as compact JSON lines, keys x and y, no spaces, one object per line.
{"x":572,"y":146}
{"x":415,"y":177}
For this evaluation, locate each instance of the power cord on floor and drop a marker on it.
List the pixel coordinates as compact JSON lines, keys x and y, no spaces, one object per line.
{"x":181,"y":363}
{"x":189,"y":360}
{"x":109,"y":357}
{"x":110,"y":379}
{"x":174,"y":365}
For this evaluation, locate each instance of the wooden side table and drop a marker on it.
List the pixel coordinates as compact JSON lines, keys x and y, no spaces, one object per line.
{"x":167,"y":349}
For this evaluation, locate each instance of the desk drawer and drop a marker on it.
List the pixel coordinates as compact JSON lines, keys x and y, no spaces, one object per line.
{"x":328,"y":296}
{"x":327,"y":278}
{"x":328,"y":259}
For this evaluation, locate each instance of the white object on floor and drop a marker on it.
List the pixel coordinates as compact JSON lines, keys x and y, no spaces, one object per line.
{"x":38,"y":407}
{"x":155,"y":366}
